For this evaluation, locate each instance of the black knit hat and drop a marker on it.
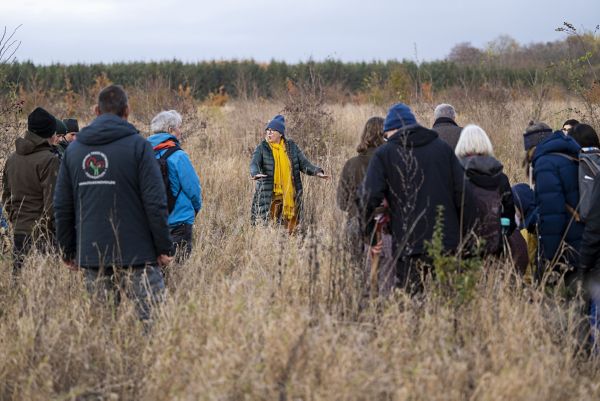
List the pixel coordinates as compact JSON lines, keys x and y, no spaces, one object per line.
{"x":41,"y":123}
{"x":72,"y":125}
{"x":61,"y":127}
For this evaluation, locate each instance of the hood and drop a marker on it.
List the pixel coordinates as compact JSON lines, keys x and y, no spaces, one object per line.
{"x":557,"y":143}
{"x":444,"y":121}
{"x":31,"y":143}
{"x":483,"y":171}
{"x":157,"y":139}
{"x":106,"y":128}
{"x":415,"y":136}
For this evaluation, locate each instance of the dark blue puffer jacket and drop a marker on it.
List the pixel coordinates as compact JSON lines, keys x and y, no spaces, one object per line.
{"x":556,"y":186}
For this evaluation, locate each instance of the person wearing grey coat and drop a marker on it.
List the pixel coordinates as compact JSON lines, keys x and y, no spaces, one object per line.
{"x":445,"y":124}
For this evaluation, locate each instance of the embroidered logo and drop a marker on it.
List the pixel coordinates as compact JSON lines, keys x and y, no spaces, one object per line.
{"x":95,"y":165}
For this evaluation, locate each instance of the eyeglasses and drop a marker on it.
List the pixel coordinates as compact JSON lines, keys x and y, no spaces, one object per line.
{"x":270,"y":131}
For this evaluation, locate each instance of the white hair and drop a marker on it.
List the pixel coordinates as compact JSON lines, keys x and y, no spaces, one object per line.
{"x":444,"y":110}
{"x":473,"y":141}
{"x":165,"y":121}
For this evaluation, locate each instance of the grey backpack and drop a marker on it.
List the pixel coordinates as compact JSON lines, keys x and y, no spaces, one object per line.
{"x":589,"y":169}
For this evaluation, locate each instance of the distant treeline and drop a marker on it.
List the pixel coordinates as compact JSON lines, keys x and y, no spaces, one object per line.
{"x":501,"y":62}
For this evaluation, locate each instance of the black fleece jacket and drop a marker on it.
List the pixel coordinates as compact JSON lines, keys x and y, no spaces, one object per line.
{"x":110,"y":203}
{"x":418,"y":173}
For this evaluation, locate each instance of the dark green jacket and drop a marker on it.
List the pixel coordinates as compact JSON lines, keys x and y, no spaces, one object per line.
{"x":263,"y":163}
{"x":28,"y":182}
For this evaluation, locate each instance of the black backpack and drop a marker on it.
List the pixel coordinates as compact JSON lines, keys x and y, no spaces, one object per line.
{"x":489,"y":212}
{"x":164,"y":171}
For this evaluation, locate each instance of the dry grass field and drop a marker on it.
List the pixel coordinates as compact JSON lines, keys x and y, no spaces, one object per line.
{"x":256,"y":315}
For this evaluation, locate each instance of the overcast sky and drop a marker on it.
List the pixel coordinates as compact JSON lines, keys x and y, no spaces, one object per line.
{"x":69,"y":31}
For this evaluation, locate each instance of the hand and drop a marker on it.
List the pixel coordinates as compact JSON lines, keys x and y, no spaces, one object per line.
{"x":322,"y":175}
{"x":71,"y":265}
{"x":259,"y":176}
{"x":164,"y":260}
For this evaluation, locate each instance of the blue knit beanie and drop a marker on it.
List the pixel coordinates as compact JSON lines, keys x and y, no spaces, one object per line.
{"x":398,"y":116}
{"x":277,"y":124}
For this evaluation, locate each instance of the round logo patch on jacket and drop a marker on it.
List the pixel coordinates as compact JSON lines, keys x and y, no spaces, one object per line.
{"x":95,"y":165}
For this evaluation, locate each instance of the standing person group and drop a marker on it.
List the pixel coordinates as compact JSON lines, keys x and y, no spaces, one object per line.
{"x":418,"y":172}
{"x":99,"y":197}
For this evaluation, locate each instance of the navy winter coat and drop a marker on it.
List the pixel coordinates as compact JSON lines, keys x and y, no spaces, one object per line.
{"x":418,"y":173}
{"x":110,"y":203}
{"x":556,"y":186}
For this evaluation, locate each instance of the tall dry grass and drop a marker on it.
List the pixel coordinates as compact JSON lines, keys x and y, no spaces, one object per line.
{"x":255,"y":314}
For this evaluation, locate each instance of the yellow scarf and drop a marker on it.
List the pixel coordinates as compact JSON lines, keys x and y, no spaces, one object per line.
{"x":282,"y":181}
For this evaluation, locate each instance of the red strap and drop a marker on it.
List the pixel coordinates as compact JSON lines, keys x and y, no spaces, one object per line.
{"x":165,"y":145}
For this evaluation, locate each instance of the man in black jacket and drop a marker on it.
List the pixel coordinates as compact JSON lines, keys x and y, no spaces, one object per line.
{"x":111,"y":208}
{"x":445,"y":124}
{"x":418,"y":174}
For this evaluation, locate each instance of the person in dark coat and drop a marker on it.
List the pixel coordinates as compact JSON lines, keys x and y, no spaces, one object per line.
{"x":111,"y":207}
{"x":276,"y":166}
{"x":445,"y":124}
{"x":485,"y":176}
{"x":29,"y":180}
{"x":555,"y":173}
{"x":419,"y":175}
{"x":352,"y":176}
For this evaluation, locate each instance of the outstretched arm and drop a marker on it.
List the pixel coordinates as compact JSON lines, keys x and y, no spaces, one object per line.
{"x":305,"y":165}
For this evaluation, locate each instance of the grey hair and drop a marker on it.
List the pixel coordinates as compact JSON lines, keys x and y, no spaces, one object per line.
{"x":444,"y":110}
{"x":165,"y":121}
{"x":473,"y":141}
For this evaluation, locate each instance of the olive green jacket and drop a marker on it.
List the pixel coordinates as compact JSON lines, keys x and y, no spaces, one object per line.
{"x":28,"y":183}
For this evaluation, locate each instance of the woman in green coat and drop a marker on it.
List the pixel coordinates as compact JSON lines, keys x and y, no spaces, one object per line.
{"x":276,"y":165}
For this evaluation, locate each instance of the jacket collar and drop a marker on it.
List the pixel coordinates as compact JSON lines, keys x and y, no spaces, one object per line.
{"x":445,"y":121}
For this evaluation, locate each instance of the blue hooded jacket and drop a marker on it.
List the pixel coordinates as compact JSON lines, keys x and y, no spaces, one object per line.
{"x":556,"y":186}
{"x":184,"y":181}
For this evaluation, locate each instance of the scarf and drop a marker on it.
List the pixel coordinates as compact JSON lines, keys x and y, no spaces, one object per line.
{"x":282,"y":179}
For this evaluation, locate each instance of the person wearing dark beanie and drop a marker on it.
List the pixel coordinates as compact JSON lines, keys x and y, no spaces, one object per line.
{"x":277,"y":124}
{"x":399,"y":116}
{"x":28,"y":187}
{"x":41,"y":123}
{"x":276,"y":166}
{"x":419,"y":176}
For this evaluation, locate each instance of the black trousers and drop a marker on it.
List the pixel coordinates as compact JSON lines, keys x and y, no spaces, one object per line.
{"x":22,"y":244}
{"x":182,"y":241}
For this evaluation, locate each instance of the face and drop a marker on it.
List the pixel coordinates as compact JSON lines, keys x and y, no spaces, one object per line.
{"x":272,"y":135}
{"x":567,"y":128}
{"x":176,"y":132}
{"x":70,"y":137}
